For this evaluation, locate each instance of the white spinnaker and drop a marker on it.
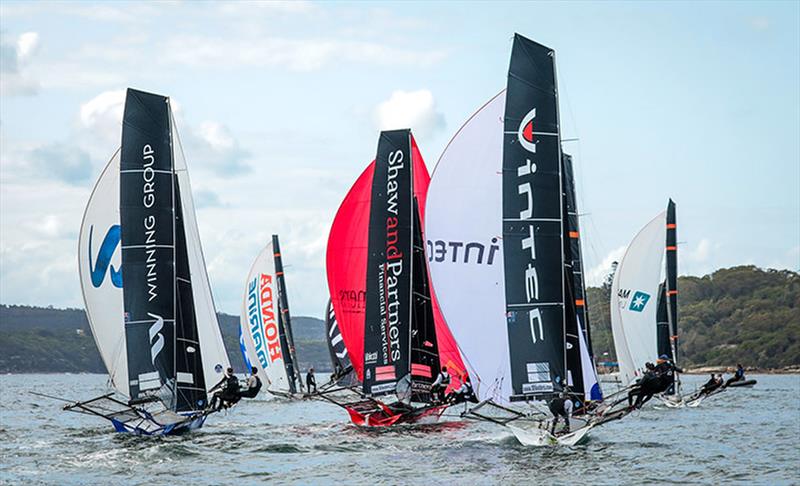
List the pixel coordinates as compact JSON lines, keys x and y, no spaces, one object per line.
{"x":259,"y":321}
{"x":465,"y":205}
{"x":99,"y":264}
{"x":212,"y":348}
{"x":634,"y":299}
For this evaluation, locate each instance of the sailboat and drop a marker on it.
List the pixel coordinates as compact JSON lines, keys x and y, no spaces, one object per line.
{"x":505,"y":259}
{"x":384,"y":305}
{"x":266,"y":327}
{"x":644,"y":308}
{"x":144,"y":282}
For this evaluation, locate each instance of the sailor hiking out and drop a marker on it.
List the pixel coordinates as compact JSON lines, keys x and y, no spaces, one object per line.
{"x":227,"y":391}
{"x":253,"y":385}
{"x":465,"y":393}
{"x":737,"y":376}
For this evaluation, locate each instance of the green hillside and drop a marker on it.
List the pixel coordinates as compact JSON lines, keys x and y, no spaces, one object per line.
{"x":740,"y":314}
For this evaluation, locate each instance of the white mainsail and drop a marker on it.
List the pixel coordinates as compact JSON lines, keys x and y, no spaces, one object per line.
{"x":634,"y":298}
{"x":464,"y":207}
{"x":100,"y":271}
{"x":212,"y":348}
{"x":260,"y":324}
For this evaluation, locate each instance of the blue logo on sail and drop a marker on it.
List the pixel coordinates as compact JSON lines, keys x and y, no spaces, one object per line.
{"x":639,"y":301}
{"x":103,"y":262}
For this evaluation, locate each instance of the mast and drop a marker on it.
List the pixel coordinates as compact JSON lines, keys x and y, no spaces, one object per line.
{"x":285,"y":318}
{"x":533,"y":233}
{"x":672,"y":282}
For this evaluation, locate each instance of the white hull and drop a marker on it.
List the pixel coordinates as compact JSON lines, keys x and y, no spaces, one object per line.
{"x":540,"y":437}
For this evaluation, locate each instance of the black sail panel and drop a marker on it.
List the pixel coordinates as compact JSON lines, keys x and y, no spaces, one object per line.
{"x":424,"y":346}
{"x":147,"y":220}
{"x":662,"y":323}
{"x":340,"y":360}
{"x":574,"y":256}
{"x":388,"y":295}
{"x":572,"y":283}
{"x":672,"y":275}
{"x":533,"y":222}
{"x":191,"y":385}
{"x":285,"y":318}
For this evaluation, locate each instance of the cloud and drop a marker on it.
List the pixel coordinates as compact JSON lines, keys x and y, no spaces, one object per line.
{"x":759,"y":23}
{"x":212,"y":146}
{"x":701,"y":252}
{"x":206,"y":198}
{"x":410,"y":109}
{"x":294,"y":54}
{"x":596,"y":276}
{"x":15,"y":57}
{"x":60,"y":162}
{"x":102,"y":115}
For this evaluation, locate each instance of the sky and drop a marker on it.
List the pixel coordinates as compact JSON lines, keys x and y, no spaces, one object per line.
{"x":279,"y":106}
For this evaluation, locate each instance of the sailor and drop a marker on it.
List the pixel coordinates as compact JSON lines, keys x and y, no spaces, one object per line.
{"x":227,"y":392}
{"x":464,"y":394}
{"x":561,"y":406}
{"x":253,"y":385}
{"x":311,"y":381}
{"x":440,"y":385}
{"x":649,"y":384}
{"x":338,"y":371}
{"x":665,"y":371}
{"x":737,"y":376}
{"x":712,"y":384}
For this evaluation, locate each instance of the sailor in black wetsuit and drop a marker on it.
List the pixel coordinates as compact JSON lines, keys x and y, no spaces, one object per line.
{"x":227,"y":391}
{"x":738,"y":376}
{"x":253,"y":385}
{"x":464,"y":394}
{"x":440,"y":385}
{"x":712,"y":384}
{"x":648,"y":385}
{"x":561,"y":406}
{"x":665,"y":371}
{"x":311,"y":381}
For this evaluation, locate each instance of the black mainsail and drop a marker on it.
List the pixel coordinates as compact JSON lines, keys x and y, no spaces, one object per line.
{"x":387,"y":330}
{"x":147,"y":217}
{"x":532,"y":233}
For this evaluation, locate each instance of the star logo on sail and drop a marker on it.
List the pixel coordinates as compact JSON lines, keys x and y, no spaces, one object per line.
{"x":639,"y":301}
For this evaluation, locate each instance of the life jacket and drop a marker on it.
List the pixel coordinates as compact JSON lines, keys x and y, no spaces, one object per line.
{"x":232,"y":384}
{"x":445,"y":378}
{"x":556,"y":406}
{"x":257,"y":388}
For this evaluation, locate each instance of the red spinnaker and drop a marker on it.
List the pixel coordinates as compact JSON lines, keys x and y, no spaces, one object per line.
{"x":347,"y":269}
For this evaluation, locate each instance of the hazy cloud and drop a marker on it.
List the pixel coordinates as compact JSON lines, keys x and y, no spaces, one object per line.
{"x":15,"y":56}
{"x":410,"y":109}
{"x":206,"y":198}
{"x":596,"y":275}
{"x":294,"y":54}
{"x":61,"y":162}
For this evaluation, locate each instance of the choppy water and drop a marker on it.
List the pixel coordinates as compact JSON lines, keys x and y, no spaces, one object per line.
{"x":741,"y":436}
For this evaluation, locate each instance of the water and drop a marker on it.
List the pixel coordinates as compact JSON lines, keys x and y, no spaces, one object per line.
{"x":741,"y":436}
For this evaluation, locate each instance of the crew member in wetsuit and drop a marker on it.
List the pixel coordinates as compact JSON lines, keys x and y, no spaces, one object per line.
{"x":648,"y":385}
{"x":440,"y":385}
{"x":712,"y":384}
{"x":737,"y":376}
{"x":464,"y":394}
{"x":665,"y":371}
{"x":311,"y":381}
{"x":253,"y":385}
{"x":561,"y":406}
{"x":228,"y":394}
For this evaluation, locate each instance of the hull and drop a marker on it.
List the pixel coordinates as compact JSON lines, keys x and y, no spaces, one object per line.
{"x":540,"y":437}
{"x":743,"y":383}
{"x":378,"y":414}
